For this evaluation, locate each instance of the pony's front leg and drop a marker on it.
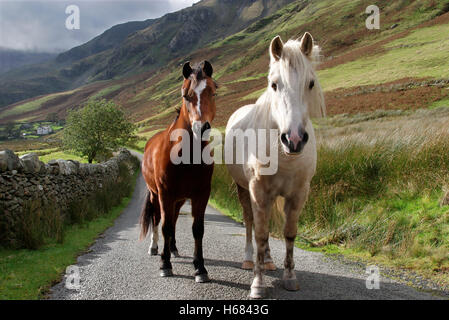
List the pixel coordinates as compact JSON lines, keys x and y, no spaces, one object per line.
{"x":292,"y":208}
{"x":269,"y":264}
{"x":261,"y":202}
{"x":198,"y":210}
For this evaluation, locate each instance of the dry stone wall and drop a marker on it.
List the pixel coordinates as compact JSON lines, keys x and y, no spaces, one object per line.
{"x":57,"y":183}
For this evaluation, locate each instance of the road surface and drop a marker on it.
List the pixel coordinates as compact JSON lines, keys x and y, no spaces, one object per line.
{"x":117,"y":266}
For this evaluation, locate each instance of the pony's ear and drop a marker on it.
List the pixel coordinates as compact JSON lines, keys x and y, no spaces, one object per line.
{"x":187,"y":70}
{"x":208,"y":69}
{"x":276,"y":48}
{"x":307,"y":44}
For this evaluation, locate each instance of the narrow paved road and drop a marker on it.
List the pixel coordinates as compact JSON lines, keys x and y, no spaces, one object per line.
{"x":118,"y":267}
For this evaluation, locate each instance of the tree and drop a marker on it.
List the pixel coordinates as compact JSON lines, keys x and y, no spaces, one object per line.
{"x":96,"y":129}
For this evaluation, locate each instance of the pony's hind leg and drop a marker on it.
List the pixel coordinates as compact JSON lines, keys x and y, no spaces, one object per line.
{"x":153,"y":251}
{"x":292,"y":208}
{"x":155,"y":230}
{"x":198,"y":210}
{"x":245,"y":201}
{"x":168,"y":227}
{"x":149,"y":220}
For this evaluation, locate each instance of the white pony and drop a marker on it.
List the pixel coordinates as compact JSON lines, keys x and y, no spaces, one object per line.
{"x":292,"y":97}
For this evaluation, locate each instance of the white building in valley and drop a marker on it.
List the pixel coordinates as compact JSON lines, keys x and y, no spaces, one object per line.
{"x":42,"y":131}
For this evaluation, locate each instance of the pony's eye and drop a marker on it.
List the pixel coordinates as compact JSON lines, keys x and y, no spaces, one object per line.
{"x":274,"y":86}
{"x":311,"y":84}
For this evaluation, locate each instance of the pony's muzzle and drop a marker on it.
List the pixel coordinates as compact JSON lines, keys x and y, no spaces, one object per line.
{"x":206,"y":126}
{"x":199,"y":129}
{"x":294,"y":142}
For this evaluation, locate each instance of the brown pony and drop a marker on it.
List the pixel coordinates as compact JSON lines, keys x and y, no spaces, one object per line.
{"x":170,"y":185}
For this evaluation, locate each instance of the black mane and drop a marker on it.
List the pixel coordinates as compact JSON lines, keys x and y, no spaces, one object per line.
{"x":178,"y":113}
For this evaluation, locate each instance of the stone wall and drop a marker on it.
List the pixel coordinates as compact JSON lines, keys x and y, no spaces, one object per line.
{"x":56,"y":184}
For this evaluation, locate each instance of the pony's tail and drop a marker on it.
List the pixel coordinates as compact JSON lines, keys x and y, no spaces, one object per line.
{"x":146,"y":217}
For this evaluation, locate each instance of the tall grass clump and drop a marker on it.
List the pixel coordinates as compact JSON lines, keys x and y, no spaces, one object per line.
{"x":224,"y":193}
{"x":378,"y":189}
{"x":39,"y":223}
{"x":381,"y":194}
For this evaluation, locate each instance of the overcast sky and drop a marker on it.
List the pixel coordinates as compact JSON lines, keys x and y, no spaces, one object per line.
{"x":40,"y":25}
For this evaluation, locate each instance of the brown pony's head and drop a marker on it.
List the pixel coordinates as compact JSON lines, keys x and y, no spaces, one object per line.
{"x":198,"y":92}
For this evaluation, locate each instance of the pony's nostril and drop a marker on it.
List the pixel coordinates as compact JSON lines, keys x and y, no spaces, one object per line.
{"x":305,"y":137}
{"x":284,"y":139}
{"x":206,"y":127}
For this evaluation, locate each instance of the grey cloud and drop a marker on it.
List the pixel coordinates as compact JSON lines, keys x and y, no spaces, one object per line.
{"x":40,"y":25}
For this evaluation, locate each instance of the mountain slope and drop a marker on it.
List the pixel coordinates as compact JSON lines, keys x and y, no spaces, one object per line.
{"x":110,"y":39}
{"x":66,"y":71}
{"x":11,"y":59}
{"x":241,"y":63}
{"x":136,"y":47}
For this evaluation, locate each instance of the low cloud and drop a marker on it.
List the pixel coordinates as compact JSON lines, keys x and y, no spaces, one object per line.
{"x":38,"y":25}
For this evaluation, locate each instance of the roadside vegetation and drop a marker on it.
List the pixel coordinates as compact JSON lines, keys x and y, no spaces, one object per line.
{"x":377,"y":193}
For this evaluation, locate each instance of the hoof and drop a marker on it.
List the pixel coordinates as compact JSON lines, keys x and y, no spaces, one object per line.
{"x":291,"y":285}
{"x":176,"y":254}
{"x":248,"y":265}
{"x":202,"y":278}
{"x":153,"y":252}
{"x":165,"y":273}
{"x":258,"y":293}
{"x":270,"y":266}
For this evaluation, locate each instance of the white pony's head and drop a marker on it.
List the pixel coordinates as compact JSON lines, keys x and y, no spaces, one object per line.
{"x":294,"y":90}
